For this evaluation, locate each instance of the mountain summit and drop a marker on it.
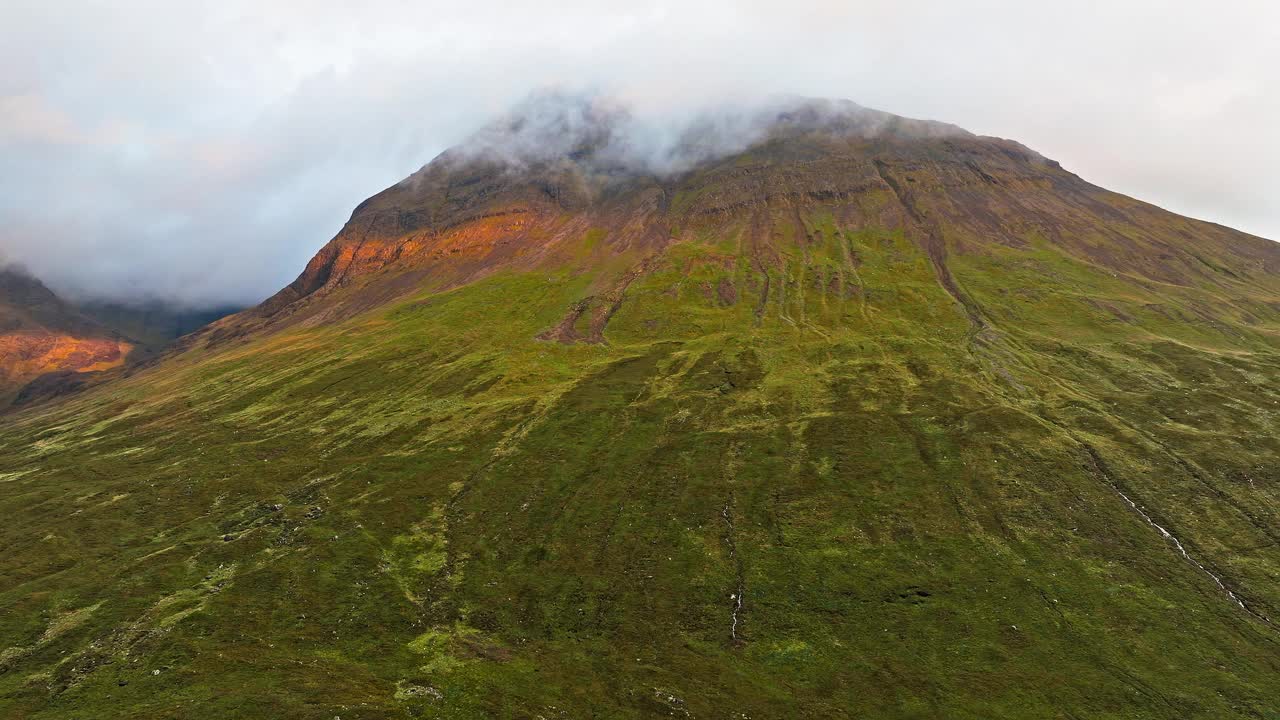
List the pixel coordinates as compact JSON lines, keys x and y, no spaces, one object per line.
{"x":807,"y":411}
{"x":525,"y":191}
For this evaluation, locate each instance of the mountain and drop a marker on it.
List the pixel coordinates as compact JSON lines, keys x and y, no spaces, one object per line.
{"x":50,"y":347}
{"x":154,"y":324}
{"x":40,"y":335}
{"x":813,"y":412}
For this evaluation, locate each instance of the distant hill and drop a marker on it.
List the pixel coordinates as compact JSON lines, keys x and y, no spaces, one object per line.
{"x":154,"y":324}
{"x":40,"y":334}
{"x":49,"y":346}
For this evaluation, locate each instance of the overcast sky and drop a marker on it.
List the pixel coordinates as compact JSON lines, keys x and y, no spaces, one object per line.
{"x":203,"y":151}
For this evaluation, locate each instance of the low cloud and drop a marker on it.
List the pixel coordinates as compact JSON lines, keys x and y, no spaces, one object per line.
{"x":202,"y":152}
{"x":605,"y":134}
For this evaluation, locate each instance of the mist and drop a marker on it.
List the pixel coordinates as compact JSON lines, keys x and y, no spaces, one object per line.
{"x":604,"y":134}
{"x":201,"y":153}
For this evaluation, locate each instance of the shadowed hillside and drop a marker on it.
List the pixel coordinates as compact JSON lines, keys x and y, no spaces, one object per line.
{"x":154,"y":324}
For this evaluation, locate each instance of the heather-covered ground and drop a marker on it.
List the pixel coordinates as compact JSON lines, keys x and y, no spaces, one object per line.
{"x":818,"y":487}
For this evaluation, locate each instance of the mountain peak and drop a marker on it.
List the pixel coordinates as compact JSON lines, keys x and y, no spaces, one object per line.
{"x":603,"y":135}
{"x":523,"y":192}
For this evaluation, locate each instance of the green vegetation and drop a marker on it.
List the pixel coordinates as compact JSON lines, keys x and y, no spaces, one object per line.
{"x":822,"y":495}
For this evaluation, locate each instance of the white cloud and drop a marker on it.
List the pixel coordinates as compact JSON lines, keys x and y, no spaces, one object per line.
{"x":204,"y":151}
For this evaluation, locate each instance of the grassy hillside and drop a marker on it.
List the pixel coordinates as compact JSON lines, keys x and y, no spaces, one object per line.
{"x":829,"y":486}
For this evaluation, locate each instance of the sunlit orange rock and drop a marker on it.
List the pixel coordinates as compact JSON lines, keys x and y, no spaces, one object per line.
{"x":25,"y":355}
{"x":41,"y":334}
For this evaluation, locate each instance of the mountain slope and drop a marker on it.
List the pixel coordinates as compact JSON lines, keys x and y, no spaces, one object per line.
{"x":40,"y":335}
{"x":867,"y":417}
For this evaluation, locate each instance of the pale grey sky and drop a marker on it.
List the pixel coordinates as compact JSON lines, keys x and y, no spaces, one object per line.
{"x":203,"y":151}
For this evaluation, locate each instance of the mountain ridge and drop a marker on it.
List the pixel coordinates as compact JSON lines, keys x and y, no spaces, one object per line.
{"x":478,"y":208}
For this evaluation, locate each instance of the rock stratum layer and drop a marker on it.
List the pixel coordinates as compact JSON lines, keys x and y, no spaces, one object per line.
{"x":863,"y":417}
